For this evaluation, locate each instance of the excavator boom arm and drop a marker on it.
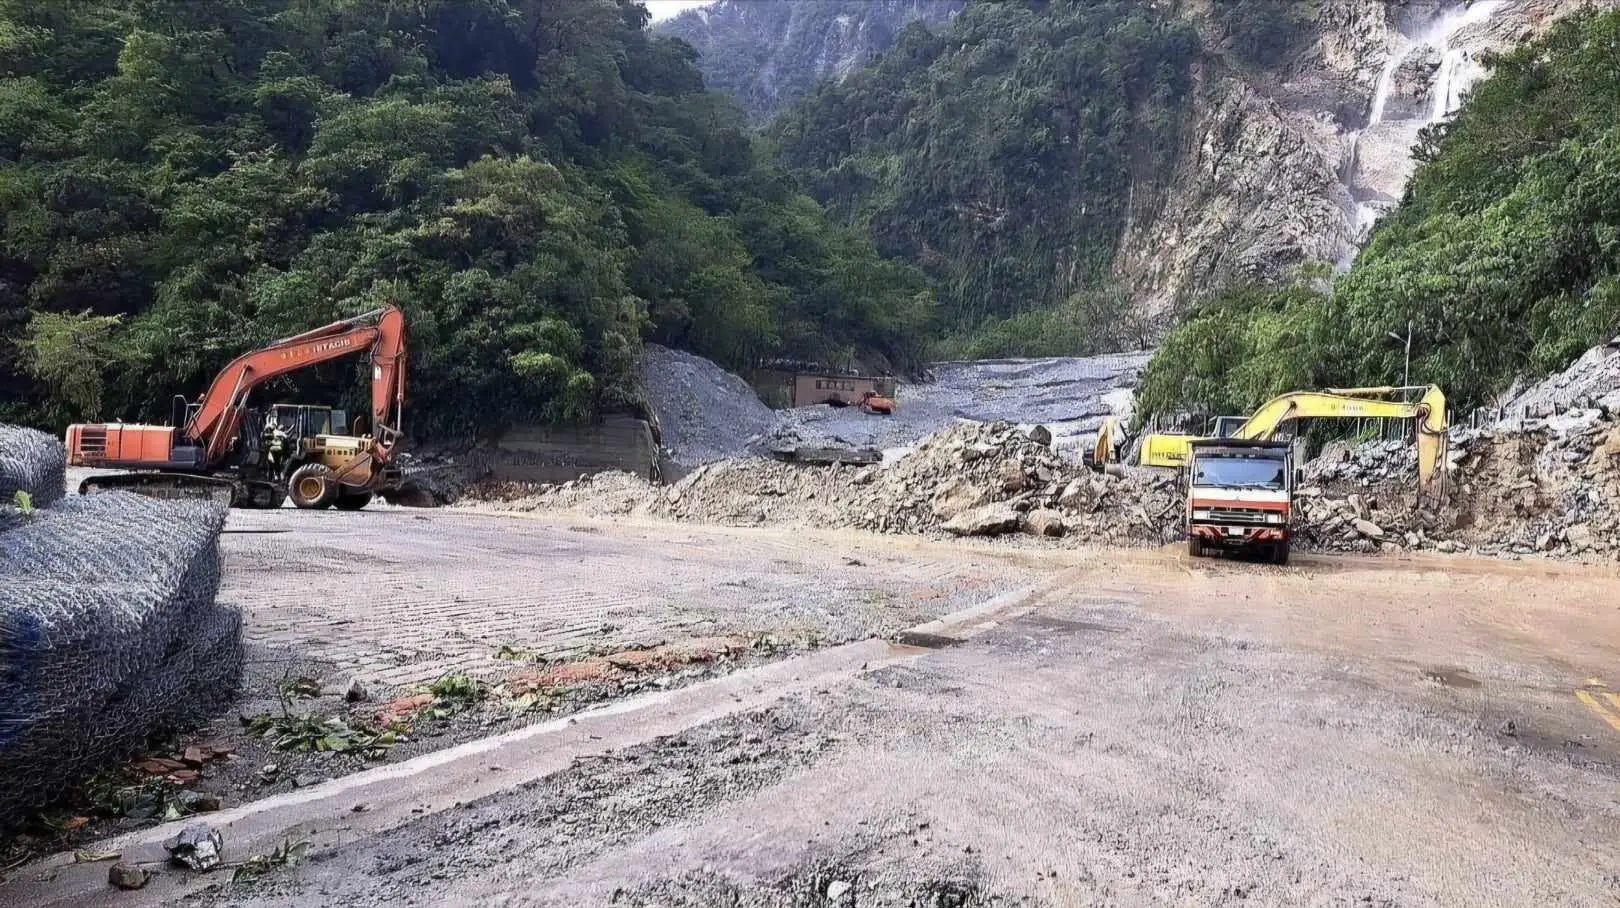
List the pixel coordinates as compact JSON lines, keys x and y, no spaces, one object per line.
{"x":382,"y":333}
{"x":1429,"y":414}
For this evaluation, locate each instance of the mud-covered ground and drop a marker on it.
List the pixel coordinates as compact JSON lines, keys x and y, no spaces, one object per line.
{"x":456,"y":627}
{"x":1372,"y":731}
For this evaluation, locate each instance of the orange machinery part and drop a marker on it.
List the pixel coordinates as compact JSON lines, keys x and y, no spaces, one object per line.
{"x":91,"y":445}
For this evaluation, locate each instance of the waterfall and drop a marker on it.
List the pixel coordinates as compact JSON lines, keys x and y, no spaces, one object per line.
{"x":1455,"y":76}
{"x":1386,"y":84}
{"x":1449,"y":81}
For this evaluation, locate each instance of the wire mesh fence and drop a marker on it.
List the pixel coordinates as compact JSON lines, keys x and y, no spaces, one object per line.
{"x":31,"y":462}
{"x":109,"y":630}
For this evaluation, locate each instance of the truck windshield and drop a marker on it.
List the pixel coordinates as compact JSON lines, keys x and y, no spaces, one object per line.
{"x":1239,"y":472}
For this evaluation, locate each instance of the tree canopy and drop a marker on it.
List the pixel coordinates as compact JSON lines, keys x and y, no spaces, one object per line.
{"x":767,"y":54}
{"x":539,"y":184}
{"x":1004,"y":154}
{"x":1504,"y":255}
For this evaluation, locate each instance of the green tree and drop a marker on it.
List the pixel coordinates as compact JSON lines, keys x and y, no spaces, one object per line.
{"x":539,"y":184}
{"x":71,"y":352}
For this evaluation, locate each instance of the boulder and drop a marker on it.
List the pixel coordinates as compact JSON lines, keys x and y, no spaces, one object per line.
{"x":956,"y":496}
{"x":1041,"y":435}
{"x":1359,"y":505}
{"x":1579,"y":537}
{"x":1075,"y":494}
{"x":124,"y":875}
{"x":1368,"y":529}
{"x":989,"y":520}
{"x":1611,"y":445}
{"x":1045,"y":522}
{"x":1012,"y":476}
{"x":977,"y":451}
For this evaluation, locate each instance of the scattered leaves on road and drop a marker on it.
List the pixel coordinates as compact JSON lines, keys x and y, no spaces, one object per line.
{"x":310,"y":733}
{"x":287,"y":854}
{"x":299,"y":688}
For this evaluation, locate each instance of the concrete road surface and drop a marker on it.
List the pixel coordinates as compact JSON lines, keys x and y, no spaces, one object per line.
{"x":1137,"y":728}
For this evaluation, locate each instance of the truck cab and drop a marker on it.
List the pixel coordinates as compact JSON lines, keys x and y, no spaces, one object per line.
{"x":1240,"y":497}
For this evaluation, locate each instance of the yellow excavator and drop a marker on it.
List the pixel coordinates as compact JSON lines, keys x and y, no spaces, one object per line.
{"x":1428,"y":413}
{"x":1106,"y":449}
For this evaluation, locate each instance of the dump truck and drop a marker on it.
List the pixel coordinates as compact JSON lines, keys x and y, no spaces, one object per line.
{"x":258,"y":457}
{"x":1240,"y":497}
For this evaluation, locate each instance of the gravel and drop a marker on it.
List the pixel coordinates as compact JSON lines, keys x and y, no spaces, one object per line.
{"x":708,"y":414}
{"x":1069,"y":395}
{"x":704,"y":412}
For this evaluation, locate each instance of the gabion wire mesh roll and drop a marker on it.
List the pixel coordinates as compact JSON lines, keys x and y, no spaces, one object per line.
{"x":31,"y":462}
{"x":109,"y":630}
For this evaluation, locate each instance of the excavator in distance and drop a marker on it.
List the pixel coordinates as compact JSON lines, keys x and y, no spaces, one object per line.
{"x":261,"y":457}
{"x":1105,"y":450}
{"x":1428,"y":415}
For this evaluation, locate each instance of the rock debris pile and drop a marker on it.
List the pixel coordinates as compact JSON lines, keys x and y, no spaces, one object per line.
{"x":970,"y":479}
{"x":1552,"y":488}
{"x":1533,"y":486}
{"x":704,"y":413}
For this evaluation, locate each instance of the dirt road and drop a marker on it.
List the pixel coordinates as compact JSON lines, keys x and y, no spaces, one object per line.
{"x":402,"y":596}
{"x":1141,"y":729}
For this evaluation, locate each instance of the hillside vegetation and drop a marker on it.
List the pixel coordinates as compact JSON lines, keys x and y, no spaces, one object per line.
{"x":767,"y":54}
{"x":1504,"y":255}
{"x":539,"y":183}
{"x":1002,"y":156}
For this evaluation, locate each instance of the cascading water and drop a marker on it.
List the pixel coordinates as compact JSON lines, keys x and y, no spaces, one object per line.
{"x":1457,"y":72}
{"x":1386,"y":84}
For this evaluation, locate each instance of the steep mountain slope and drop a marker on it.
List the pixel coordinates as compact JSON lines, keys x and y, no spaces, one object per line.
{"x":1290,"y":163}
{"x":1004,"y":156}
{"x":769,"y":53}
{"x":1502,"y":260}
{"x":1065,"y":168}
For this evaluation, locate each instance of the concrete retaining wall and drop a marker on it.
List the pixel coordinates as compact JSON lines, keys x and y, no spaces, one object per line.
{"x":561,"y":453}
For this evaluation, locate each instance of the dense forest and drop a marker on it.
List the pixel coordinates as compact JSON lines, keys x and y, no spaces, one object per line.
{"x":540,"y":184}
{"x":1002,"y":156}
{"x":767,"y":54}
{"x":545,"y":184}
{"x":1503,"y":257}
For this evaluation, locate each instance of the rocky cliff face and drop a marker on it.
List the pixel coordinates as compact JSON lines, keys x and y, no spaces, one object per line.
{"x":768,"y":53}
{"x":1287,"y":168}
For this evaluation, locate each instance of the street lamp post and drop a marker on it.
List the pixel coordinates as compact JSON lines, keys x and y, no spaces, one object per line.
{"x":1406,"y":373}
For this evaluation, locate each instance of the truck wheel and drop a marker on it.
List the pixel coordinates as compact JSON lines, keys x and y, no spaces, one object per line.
{"x":1195,"y":546}
{"x":352,"y":501}
{"x":312,"y":487}
{"x":1279,"y":553}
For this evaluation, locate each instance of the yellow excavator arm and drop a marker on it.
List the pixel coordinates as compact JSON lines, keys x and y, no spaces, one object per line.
{"x":1103,"y":453}
{"x":1428,"y":413}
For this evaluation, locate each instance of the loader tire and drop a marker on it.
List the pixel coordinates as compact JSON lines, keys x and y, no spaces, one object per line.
{"x":1195,"y":547}
{"x":1279,"y":553}
{"x":312,"y":487}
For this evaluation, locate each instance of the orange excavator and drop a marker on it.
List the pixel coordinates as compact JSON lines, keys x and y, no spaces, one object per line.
{"x":262,"y":456}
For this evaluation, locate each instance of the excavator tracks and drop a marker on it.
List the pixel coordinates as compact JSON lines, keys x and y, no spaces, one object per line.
{"x":188,"y":486}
